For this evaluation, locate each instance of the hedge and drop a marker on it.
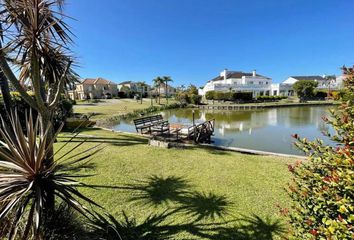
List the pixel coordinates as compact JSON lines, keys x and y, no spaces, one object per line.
{"x":229,"y":96}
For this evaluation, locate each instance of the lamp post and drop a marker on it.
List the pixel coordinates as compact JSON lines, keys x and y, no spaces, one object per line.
{"x":194,"y":128}
{"x":193,"y":117}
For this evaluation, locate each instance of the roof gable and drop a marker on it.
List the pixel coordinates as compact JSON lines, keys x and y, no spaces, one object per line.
{"x":237,"y":74}
{"x":99,"y":80}
{"x":125,"y":82}
{"x":309,"y":78}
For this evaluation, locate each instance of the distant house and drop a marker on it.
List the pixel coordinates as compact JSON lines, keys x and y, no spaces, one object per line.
{"x":239,"y":81}
{"x":324,"y":82}
{"x":91,"y":88}
{"x":133,"y":87}
{"x":171,"y":91}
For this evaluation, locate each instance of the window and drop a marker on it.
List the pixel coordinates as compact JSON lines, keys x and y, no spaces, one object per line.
{"x":267,"y":83}
{"x":261,"y":83}
{"x":251,"y":82}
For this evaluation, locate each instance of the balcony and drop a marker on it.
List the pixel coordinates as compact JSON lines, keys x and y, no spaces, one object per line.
{"x":227,"y":87}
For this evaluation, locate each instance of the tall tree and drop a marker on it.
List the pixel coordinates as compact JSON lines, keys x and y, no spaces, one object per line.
{"x":37,"y":43}
{"x":5,"y":91}
{"x":141,"y":86}
{"x":166,"y":80}
{"x":158,"y":81}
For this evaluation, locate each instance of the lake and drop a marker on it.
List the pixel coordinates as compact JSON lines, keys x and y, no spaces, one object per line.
{"x":265,"y":129}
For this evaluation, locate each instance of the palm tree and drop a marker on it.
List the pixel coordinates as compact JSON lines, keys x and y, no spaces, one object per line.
{"x":157,"y":83}
{"x":166,"y":79}
{"x":37,"y":44}
{"x":141,"y":86}
{"x":181,"y":88}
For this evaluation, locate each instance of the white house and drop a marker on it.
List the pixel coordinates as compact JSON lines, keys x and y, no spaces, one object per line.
{"x":133,"y":87}
{"x":171,"y":91}
{"x":282,"y":89}
{"x":324,"y":82}
{"x":240,"y":82}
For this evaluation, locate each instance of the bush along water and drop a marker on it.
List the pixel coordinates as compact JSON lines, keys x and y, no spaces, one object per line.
{"x":139,"y":113}
{"x":63,"y":110}
{"x":322,"y":189}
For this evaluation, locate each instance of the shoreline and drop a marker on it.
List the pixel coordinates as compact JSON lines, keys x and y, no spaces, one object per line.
{"x":216,"y":147}
{"x":241,"y":107}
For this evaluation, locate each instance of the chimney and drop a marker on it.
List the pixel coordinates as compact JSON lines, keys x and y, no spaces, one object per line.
{"x":225,"y":74}
{"x":254,"y":73}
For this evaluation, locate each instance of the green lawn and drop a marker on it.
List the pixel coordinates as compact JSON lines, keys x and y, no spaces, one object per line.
{"x":114,"y":107}
{"x":187,"y":193}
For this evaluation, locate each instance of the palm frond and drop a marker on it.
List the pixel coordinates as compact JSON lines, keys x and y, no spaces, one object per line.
{"x":25,"y":179}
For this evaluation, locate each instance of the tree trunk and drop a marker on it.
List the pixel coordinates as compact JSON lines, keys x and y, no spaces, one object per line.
{"x":47,"y":122}
{"x":166,"y":94}
{"x":159,"y":95}
{"x":5,"y":91}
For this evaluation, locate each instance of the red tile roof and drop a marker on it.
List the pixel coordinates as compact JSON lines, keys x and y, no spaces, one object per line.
{"x":92,"y":81}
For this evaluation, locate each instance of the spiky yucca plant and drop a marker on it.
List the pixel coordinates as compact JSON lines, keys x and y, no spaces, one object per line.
{"x":26,"y":177}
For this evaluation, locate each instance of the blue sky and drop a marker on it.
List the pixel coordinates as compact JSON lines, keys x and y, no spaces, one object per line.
{"x":193,"y":40}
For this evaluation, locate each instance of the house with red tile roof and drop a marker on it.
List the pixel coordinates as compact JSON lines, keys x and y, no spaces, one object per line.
{"x":94,"y":88}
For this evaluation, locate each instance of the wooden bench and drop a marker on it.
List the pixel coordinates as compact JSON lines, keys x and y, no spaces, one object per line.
{"x":200,"y":133}
{"x":151,"y":124}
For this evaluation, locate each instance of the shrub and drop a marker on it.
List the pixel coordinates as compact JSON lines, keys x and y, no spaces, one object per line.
{"x":210,"y":95}
{"x":335,"y":95}
{"x":229,"y":96}
{"x":244,"y":96}
{"x":219,"y":96}
{"x":305,"y":89}
{"x":64,"y":223}
{"x":63,"y":111}
{"x":322,"y":188}
{"x":122,"y":94}
{"x":320,"y":95}
{"x":183,"y":97}
{"x":195,"y":99}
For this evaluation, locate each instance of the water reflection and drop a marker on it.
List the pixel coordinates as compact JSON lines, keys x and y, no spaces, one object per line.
{"x":266,"y":129}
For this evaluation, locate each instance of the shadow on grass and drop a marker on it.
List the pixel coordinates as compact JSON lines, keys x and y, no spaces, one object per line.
{"x":159,"y":190}
{"x":209,"y":149}
{"x":120,"y":140}
{"x":203,"y":215}
{"x":160,"y":226}
{"x":180,"y":199}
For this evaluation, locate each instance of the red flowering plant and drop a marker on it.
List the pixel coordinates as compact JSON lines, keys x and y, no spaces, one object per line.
{"x":322,"y":187}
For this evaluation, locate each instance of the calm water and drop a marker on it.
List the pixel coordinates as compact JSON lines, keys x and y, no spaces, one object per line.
{"x":267,"y":129}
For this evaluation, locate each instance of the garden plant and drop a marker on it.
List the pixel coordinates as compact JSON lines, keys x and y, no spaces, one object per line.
{"x":322,"y":189}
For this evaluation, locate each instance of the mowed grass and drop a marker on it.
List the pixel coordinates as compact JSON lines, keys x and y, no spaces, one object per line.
{"x":186,"y":193}
{"x":114,"y":107}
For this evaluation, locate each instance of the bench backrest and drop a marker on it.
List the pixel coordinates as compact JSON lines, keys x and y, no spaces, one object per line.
{"x":156,"y":118}
{"x":148,"y":120}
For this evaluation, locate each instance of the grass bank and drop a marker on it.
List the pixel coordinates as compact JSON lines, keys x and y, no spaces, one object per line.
{"x":115,"y":107}
{"x":191,"y":193}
